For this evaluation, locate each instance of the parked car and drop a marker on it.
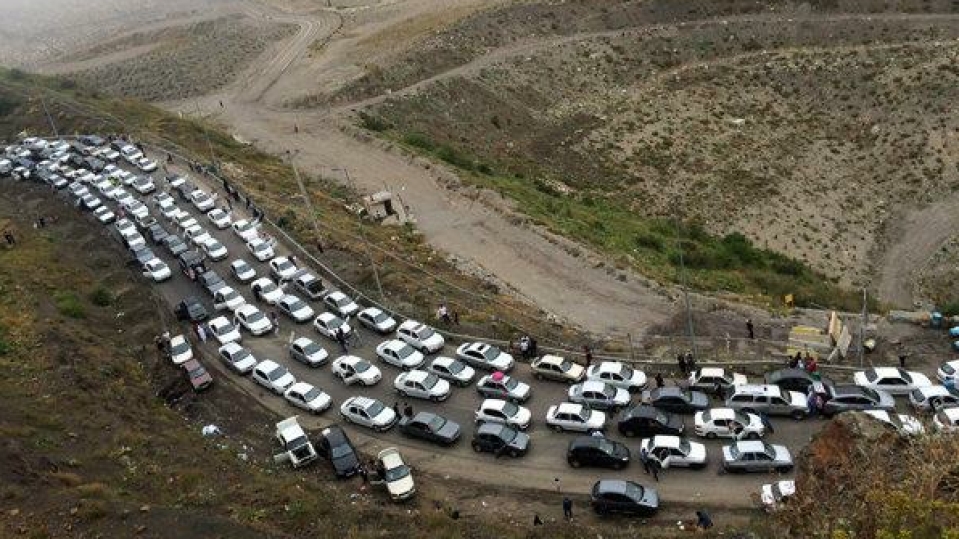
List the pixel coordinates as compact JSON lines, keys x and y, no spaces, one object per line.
{"x":157,"y":270}
{"x":211,"y":281}
{"x":308,"y":397}
{"x":368,"y":412}
{"x":327,"y":324}
{"x":308,"y":352}
{"x":948,"y":371}
{"x":794,"y":380}
{"x":219,"y":218}
{"x":399,"y":354}
{"x":756,"y":456}
{"x":422,"y":385}
{"x":341,"y":304}
{"x":297,"y":447}
{"x":253,"y":320}
{"x":728,"y":423}
{"x":237,"y":358}
{"x":618,"y":374}
{"x":227,"y":299}
{"x":376,"y":320}
{"x":202,"y":201}
{"x":246,"y":230}
{"x":431,"y":428}
{"x":214,"y":250}
{"x":281,"y":269}
{"x":768,"y":399}
{"x":904,"y":425}
{"x":273,"y":376}
{"x":266,"y":290}
{"x":500,"y":439}
{"x":571,"y":417}
{"x":675,"y":452}
{"x":260,"y":249}
{"x":104,"y":215}
{"x":180,"y":350}
{"x":452,"y":370}
{"x":627,"y":497}
{"x":946,"y":420}
{"x":157,"y":233}
{"x":893,"y":380}
{"x":708,"y":379}
{"x":295,"y":308}
{"x":560,"y":369}
{"x":678,"y":400}
{"x":395,"y":474}
{"x":223,"y":330}
{"x":847,"y":397}
{"x":599,"y":395}
{"x":644,"y":421}
{"x":199,"y":378}
{"x":932,"y":398}
{"x":500,"y":411}
{"x":309,"y":285}
{"x":484,"y":356}
{"x":242,"y":271}
{"x":503,"y":386}
{"x":420,"y":336}
{"x":774,"y":496}
{"x":597,"y":451}
{"x":175,"y":245}
{"x":191,"y":309}
{"x":352,"y":370}
{"x":335,"y":446}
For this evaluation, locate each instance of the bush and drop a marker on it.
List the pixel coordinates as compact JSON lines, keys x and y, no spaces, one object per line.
{"x":455,"y":158}
{"x":69,"y":305}
{"x":373,"y":123}
{"x":645,"y":240}
{"x":419,"y":140}
{"x":101,"y":297}
{"x":951,"y":308}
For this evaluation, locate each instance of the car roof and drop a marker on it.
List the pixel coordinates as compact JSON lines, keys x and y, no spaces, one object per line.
{"x":372,"y":311}
{"x":758,"y":389}
{"x":667,"y":391}
{"x":336,"y":294}
{"x":712,"y":371}
{"x":350,"y":359}
{"x":785,"y":374}
{"x":722,"y":413}
{"x":246,"y":308}
{"x":390,"y":457}
{"x":609,"y":366}
{"x":219,"y":321}
{"x":490,"y":428}
{"x":362,"y":402}
{"x":416,"y":375}
{"x":267,"y":364}
{"x":395,"y":344}
{"x":303,"y":341}
{"x":569,"y":408}
{"x":594,"y":385}
{"x":410,"y":324}
{"x":951,"y":412}
{"x":934,"y":391}
{"x":478,"y":346}
{"x":302,"y":387}
{"x":613,"y":486}
{"x":848,"y":389}
{"x":644,"y":410}
{"x":326,"y":316}
{"x":335,"y":435}
{"x":751,"y":446}
{"x":177,"y":338}
{"x":883,"y":372}
{"x":550,"y":359}
{"x":494,"y":404}
{"x":444,"y":360}
{"x":666,"y":441}
{"x":231,"y":347}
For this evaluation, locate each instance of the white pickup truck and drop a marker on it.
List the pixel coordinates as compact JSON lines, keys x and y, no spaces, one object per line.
{"x":296,"y":446}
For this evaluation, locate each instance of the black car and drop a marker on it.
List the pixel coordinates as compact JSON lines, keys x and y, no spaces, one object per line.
{"x":335,"y":446}
{"x":142,"y":256}
{"x":794,"y":380}
{"x":647,"y":421}
{"x":615,"y":496}
{"x":211,"y":281}
{"x":157,"y":233}
{"x":175,"y":245}
{"x":430,"y":427}
{"x":597,"y":451}
{"x":676,"y":399}
{"x":192,"y":261}
{"x":500,"y":439}
{"x":92,"y":140}
{"x":191,"y":309}
{"x":184,"y":191}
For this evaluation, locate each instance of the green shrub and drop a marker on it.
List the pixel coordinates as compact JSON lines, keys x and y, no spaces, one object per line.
{"x":101,"y":297}
{"x":649,"y":241}
{"x":373,"y":123}
{"x":419,"y":140}
{"x":951,"y":308}
{"x":451,"y":156}
{"x":69,"y":305}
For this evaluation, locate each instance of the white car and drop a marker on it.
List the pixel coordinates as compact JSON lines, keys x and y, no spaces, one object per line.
{"x":180,"y":350}
{"x":242,"y":271}
{"x":198,"y":235}
{"x":120,"y":195}
{"x":144,"y":185}
{"x":420,"y":336}
{"x":295,"y":308}
{"x":399,"y":354}
{"x":297,"y":448}
{"x":453,"y":370}
{"x":728,"y":423}
{"x":202,"y":201}
{"x":273,"y":376}
{"x":246,"y":230}
{"x":500,"y":411}
{"x":163,"y":198}
{"x":568,"y":416}
{"x":599,"y":395}
{"x":775,"y":495}
{"x":184,"y":220}
{"x":239,"y":359}
{"x":105,"y":186}
{"x":260,"y":249}
{"x":157,"y":270}
{"x":396,"y":474}
{"x":137,"y":209}
{"x":91,"y":202}
{"x":905,"y":425}
{"x":707,"y":378}
{"x":281,"y":268}
{"x":227,"y":299}
{"x":341,"y":304}
{"x":108,"y":155}
{"x":214,"y":250}
{"x":125,"y":178}
{"x":135,"y":241}
{"x":932,"y":398}
{"x":947,"y":420}
{"x":369,"y":413}
{"x":674,"y":452}
{"x":308,"y":397}
{"x":224,"y":330}
{"x":892,"y":380}
{"x":948,"y":371}
{"x":308,"y":352}
{"x":354,"y":370}
{"x":484,"y":356}
{"x":130,"y":153}
{"x":104,"y":215}
{"x":167,"y":209}
{"x":422,"y":385}
{"x":327,"y":324}
{"x":377,"y":320}
{"x":219,"y":218}
{"x":146,"y":164}
{"x":253,"y":320}
{"x":618,"y":374}
{"x":266,"y":290}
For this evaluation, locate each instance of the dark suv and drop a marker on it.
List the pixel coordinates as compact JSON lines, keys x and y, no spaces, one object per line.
{"x":794,"y":380}
{"x":597,"y":451}
{"x":500,"y":439}
{"x":211,"y":281}
{"x":647,"y":421}
{"x":336,"y":447}
{"x":191,"y":309}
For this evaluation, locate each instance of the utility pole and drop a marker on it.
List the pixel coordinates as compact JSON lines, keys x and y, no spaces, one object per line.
{"x":366,"y":243}
{"x":689,"y":311}
{"x":46,"y":111}
{"x":862,"y":328}
{"x":196,"y":104}
{"x":306,"y":200}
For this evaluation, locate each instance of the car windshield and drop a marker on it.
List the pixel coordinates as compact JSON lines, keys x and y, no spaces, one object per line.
{"x":609,"y":391}
{"x":424,"y":332}
{"x":947,"y":368}
{"x":395,"y":474}
{"x":277,"y":373}
{"x":362,"y":366}
{"x":404,"y":351}
{"x":268,"y":288}
{"x":312,"y":394}
{"x":871,"y":393}
{"x":312,"y":348}
{"x":379,"y":317}
{"x":343,"y":301}
{"x":255,"y":317}
{"x":456,"y":367}
{"x":241,"y":267}
{"x":284,"y":265}
{"x":375,"y":408}
{"x":507,"y":434}
{"x":334,"y":323}
{"x":436,"y":423}
{"x":769,"y":451}
{"x":340,"y":451}
{"x":230,"y":296}
{"x":180,"y":347}
{"x":225,"y":328}
{"x":198,"y":371}
{"x":684,"y":446}
{"x":296,"y":305}
{"x":634,"y":491}
{"x":626,"y":372}
{"x":491,"y":353}
{"x":295,"y":443}
{"x":943,"y":418}
{"x":510,"y":409}
{"x":663,"y":420}
{"x":741,"y":418}
{"x":734,"y":452}
{"x":430,"y":381}
{"x":871,"y":375}
{"x":240,"y":356}
{"x":606,"y":447}
{"x":510,"y":383}
{"x":906,"y":377}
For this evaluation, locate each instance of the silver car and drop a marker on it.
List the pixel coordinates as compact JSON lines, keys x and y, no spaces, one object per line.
{"x":756,"y":456}
{"x":844,"y":398}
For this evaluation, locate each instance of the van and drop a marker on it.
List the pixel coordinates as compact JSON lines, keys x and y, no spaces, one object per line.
{"x":769,"y":399}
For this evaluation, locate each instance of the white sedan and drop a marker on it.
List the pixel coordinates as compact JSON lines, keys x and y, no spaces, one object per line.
{"x":260,"y":249}
{"x":224,"y":330}
{"x":281,"y":268}
{"x":308,"y":397}
{"x":214,"y":250}
{"x":327,"y":324}
{"x":198,"y":235}
{"x":618,"y":374}
{"x":892,"y":380}
{"x":485,"y":356}
{"x":168,"y":209}
{"x":273,"y":376}
{"x":728,"y":423}
{"x":144,"y":185}
{"x":180,"y":350}
{"x":295,"y":308}
{"x":341,"y":304}
{"x":308,"y":352}
{"x":227,"y":299}
{"x":396,"y":474}
{"x":104,"y":215}
{"x":420,"y":336}
{"x":500,"y":411}
{"x":946,"y":420}
{"x":242,"y":271}
{"x":368,"y":412}
{"x":246,"y":230}
{"x":355,"y":370}
{"x":422,"y":385}
{"x":237,"y":358}
{"x":146,"y":164}
{"x":453,"y":370}
{"x":157,"y":270}
{"x":568,"y":416}
{"x":202,"y":201}
{"x":266,"y":290}
{"x":137,"y":209}
{"x":253,"y":320}
{"x":399,"y":354}
{"x":905,"y":425}
{"x":376,"y":320}
{"x":219,"y":218}
{"x":948,"y":371}
{"x":674,"y":452}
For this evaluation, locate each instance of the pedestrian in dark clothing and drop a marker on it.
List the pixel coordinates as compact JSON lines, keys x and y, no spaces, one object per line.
{"x":568,"y":508}
{"x":341,"y":338}
{"x":767,"y":423}
{"x":159,"y":343}
{"x":363,"y":474}
{"x":319,"y":247}
{"x":588,"y":355}
{"x":221,"y":104}
{"x":683,"y":368}
{"x":703,"y":520}
{"x":654,"y":468}
{"x":292,"y":259}
{"x":456,"y":322}
{"x":902,"y":360}
{"x":718,"y":390}
{"x":659,"y":380}
{"x":276,"y":322}
{"x":396,"y":408}
{"x":750,"y":329}
{"x":537,"y":521}
{"x":644,"y":458}
{"x":690,"y":362}
{"x":407,"y":409}
{"x":247,"y":202}
{"x":794,"y":361}
{"x":9,"y":237}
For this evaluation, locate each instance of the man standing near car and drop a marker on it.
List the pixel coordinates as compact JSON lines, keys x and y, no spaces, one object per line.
{"x":341,"y":338}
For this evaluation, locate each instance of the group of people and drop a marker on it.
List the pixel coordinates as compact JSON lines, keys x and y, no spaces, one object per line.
{"x":686,"y":362}
{"x":407,"y":410}
{"x":807,"y":363}
{"x":447,"y":316}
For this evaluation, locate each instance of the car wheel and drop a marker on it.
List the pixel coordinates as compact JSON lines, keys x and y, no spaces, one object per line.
{"x":402,"y":393}
{"x":619,"y":465}
{"x":476,"y":447}
{"x":557,"y":428}
{"x":711,"y":435}
{"x":752,"y":436}
{"x":513,"y":453}
{"x":628,"y":433}
{"x":798,"y":415}
{"x":575,"y":463}
{"x":784,"y":469}
{"x":436,"y":398}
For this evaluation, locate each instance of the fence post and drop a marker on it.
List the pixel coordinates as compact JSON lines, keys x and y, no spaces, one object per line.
{"x":629,"y":339}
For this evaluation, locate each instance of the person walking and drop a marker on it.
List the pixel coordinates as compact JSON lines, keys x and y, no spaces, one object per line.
{"x":683,"y":368}
{"x":767,"y":424}
{"x":201,"y":333}
{"x":407,"y":409}
{"x":750,"y":329}
{"x":703,"y":521}
{"x":536,"y":520}
{"x":587,"y":355}
{"x":567,"y":508}
{"x":275,"y":319}
{"x":659,"y":380}
{"x":341,"y":338}
{"x":396,"y":408}
{"x":9,"y":237}
{"x":644,"y":458}
{"x":654,"y":468}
